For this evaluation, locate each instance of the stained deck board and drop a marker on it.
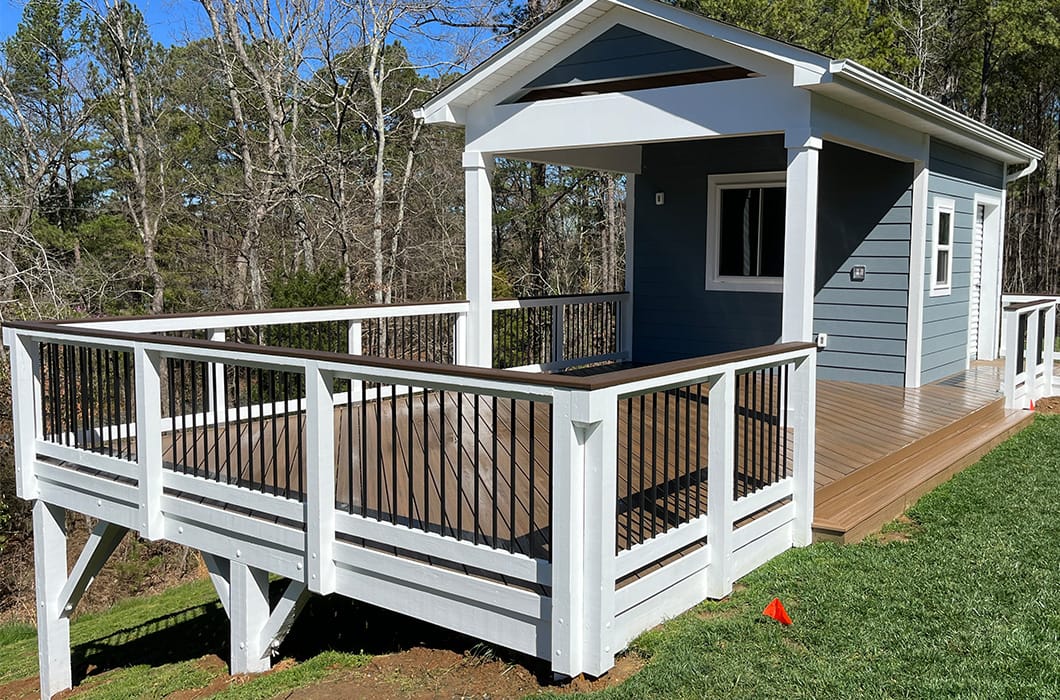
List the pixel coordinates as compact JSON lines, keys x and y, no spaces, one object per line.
{"x":401,"y":481}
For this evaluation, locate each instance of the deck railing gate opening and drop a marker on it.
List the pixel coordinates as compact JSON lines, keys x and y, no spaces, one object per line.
{"x":554,"y":515}
{"x":1030,"y":349}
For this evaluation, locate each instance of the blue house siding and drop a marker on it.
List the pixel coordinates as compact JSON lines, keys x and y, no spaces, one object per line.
{"x":864,"y":218}
{"x":622,"y":52}
{"x":958,"y":175}
{"x":674,"y":316}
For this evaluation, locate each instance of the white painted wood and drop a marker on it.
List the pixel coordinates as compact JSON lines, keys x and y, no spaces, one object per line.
{"x":102,"y":542}
{"x":661,"y":546}
{"x":233,"y":524}
{"x":414,"y":573}
{"x":529,"y":635}
{"x":479,"y":556}
{"x":232,"y":494}
{"x":1049,"y":352}
{"x":573,"y":362}
{"x":1011,"y":343}
{"x":248,"y":614}
{"x":800,"y":236}
{"x":914,"y":343}
{"x":27,"y":424}
{"x":219,"y":570}
{"x":460,"y":339}
{"x":975,"y":291}
{"x":940,"y":206}
{"x":674,"y":601}
{"x":1031,"y":355}
{"x":762,"y":526}
{"x":320,"y":481}
{"x":282,"y":618}
{"x":75,"y":455}
{"x":53,"y":628}
{"x":102,"y":507}
{"x":709,"y":374}
{"x":804,"y":424}
{"x":661,"y":580}
{"x":716,"y":185}
{"x":87,"y":487}
{"x":721,"y":460}
{"x":754,"y":555}
{"x":990,"y":281}
{"x":149,"y":440}
{"x":478,"y":256}
{"x":215,"y":390}
{"x":354,"y":341}
{"x":763,"y":498}
{"x":568,"y":518}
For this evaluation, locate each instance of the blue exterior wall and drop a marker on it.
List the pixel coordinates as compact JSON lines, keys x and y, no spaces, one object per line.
{"x":958,"y":175}
{"x":622,"y":52}
{"x":864,"y":218}
{"x":674,"y":316}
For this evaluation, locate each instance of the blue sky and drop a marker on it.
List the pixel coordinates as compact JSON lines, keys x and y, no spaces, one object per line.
{"x":169,"y":20}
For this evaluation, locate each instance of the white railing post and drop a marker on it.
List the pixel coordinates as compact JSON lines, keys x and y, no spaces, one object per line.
{"x":354,"y":338}
{"x":460,"y":339}
{"x":558,"y":311}
{"x":1049,"y":355}
{"x":1011,"y":319}
{"x":721,"y":465}
{"x":320,"y":480}
{"x":1030,"y":364}
{"x":217,"y":409}
{"x":804,"y":396}
{"x":584,"y":492}
{"x":26,"y":416}
{"x":149,"y":440}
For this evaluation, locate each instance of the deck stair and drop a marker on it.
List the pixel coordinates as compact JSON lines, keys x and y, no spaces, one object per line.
{"x":848,"y":509}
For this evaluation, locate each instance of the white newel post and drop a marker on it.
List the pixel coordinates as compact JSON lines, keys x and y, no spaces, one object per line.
{"x":804,"y":396}
{"x":248,"y":611}
{"x":26,"y":418}
{"x":320,"y":481}
{"x":1030,"y":363}
{"x":149,"y":441}
{"x":721,"y":479}
{"x":584,"y":491}
{"x":354,"y":340}
{"x":478,"y":256}
{"x":800,"y":236}
{"x":460,"y":339}
{"x":1011,"y":341}
{"x":217,"y":410}
{"x":53,"y":628}
{"x":1049,"y":354}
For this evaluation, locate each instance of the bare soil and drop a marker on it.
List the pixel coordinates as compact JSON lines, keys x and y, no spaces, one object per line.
{"x":1048,"y":405}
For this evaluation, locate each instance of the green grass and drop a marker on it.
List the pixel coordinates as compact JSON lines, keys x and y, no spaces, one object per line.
{"x":968,"y":607}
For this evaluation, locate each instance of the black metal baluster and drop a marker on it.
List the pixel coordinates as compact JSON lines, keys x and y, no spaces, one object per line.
{"x":511,"y":484}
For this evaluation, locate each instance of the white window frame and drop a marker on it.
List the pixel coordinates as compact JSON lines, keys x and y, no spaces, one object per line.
{"x":941,"y":206}
{"x":715,"y":185}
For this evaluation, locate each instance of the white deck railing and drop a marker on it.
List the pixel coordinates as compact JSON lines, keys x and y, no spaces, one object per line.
{"x":568,"y":598}
{"x":1030,"y":346}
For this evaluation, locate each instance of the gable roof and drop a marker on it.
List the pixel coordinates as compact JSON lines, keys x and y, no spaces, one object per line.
{"x":842,"y":80}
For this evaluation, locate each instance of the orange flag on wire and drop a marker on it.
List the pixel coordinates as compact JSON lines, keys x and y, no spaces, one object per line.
{"x":776,"y":610}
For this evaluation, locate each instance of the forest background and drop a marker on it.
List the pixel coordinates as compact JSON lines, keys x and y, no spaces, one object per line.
{"x":267,"y":156}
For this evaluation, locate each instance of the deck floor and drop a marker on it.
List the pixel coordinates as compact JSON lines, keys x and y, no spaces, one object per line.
{"x":440,"y":465}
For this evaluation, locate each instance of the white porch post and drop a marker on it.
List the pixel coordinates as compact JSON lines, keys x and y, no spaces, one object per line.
{"x":800,"y":235}
{"x":478,"y":256}
{"x":248,"y":610}
{"x":53,"y":628}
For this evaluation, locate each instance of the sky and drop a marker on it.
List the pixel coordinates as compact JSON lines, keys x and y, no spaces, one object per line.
{"x":169,"y":20}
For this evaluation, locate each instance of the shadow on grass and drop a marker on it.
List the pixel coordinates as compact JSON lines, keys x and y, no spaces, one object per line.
{"x":328,"y":623}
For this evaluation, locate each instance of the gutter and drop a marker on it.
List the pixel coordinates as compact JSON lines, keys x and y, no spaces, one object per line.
{"x":1031,"y":167}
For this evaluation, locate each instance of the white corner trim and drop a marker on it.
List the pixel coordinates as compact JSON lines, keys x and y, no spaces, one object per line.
{"x":942,"y":205}
{"x":917,"y":253}
{"x":990,"y":272}
{"x":715,"y":185}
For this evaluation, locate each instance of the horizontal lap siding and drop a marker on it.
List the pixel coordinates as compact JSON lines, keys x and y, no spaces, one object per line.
{"x":673,"y":315}
{"x":958,"y":175}
{"x":864,"y":218}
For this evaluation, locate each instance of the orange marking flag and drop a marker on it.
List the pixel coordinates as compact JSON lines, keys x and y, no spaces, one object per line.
{"x":776,"y":610}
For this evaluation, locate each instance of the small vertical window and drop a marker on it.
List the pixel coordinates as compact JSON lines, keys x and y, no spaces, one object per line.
{"x":942,"y":248}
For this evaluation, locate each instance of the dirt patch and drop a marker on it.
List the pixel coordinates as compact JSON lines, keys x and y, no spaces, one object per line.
{"x":222,"y":680}
{"x":423,"y":673}
{"x":901,"y":529}
{"x":1048,"y":405}
{"x":22,"y":689}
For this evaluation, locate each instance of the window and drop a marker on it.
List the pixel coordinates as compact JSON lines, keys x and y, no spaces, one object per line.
{"x":745,"y":232}
{"x":942,"y":248}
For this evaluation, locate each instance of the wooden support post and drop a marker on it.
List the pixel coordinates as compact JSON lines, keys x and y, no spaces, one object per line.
{"x":217,"y":408}
{"x":721,"y":465}
{"x":220,"y":576}
{"x":53,"y":628}
{"x":248,"y":616}
{"x":803,"y":395}
{"x":320,"y":480}
{"x":584,"y":491}
{"x":800,"y":236}
{"x":26,"y":404}
{"x":149,"y":441}
{"x":478,"y":256}
{"x":104,"y":539}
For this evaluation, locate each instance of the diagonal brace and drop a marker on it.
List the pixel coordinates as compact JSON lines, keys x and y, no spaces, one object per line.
{"x":104,"y":539}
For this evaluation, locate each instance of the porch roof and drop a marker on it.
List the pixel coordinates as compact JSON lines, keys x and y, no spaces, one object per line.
{"x":844,"y":81}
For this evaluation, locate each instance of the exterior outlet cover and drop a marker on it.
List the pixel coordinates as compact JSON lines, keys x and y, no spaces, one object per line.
{"x":660,"y":198}
{"x":822,"y":340}
{"x":857,"y":273}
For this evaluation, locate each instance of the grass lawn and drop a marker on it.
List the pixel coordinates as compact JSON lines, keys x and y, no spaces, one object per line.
{"x":963,"y":600}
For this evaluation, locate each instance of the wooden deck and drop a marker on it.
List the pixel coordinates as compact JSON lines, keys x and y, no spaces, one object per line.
{"x":878,"y":449}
